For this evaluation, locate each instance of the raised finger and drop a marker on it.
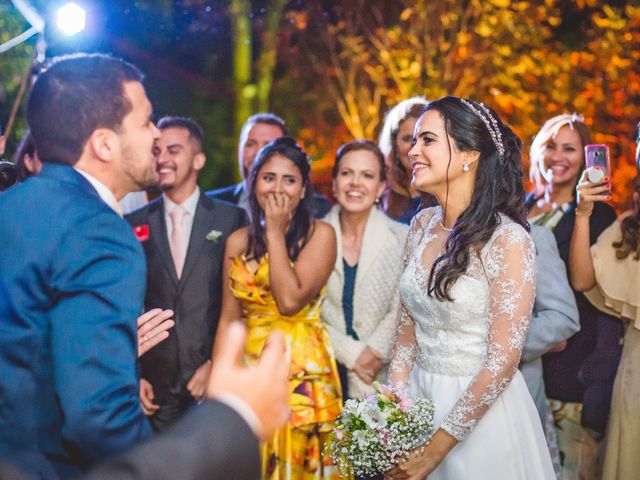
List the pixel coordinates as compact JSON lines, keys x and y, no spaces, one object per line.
{"x":148,"y":404}
{"x":153,"y":321}
{"x":146,"y":345}
{"x":163,"y":327}
{"x":285,"y":201}
{"x":146,"y":316}
{"x":288,"y":203}
{"x":274,"y":200}
{"x":270,"y":203}
{"x":595,"y":198}
{"x":597,"y":189}
{"x":199,"y":392}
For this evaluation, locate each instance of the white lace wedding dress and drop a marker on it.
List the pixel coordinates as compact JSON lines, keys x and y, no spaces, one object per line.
{"x":464,"y":354}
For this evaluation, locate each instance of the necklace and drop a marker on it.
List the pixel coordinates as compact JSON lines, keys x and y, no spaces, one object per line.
{"x":445,"y":228}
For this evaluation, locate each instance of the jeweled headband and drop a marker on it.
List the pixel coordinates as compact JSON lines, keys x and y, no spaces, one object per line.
{"x":491,"y":123}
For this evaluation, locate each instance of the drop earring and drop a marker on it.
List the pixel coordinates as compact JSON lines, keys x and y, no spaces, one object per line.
{"x":465,"y":167}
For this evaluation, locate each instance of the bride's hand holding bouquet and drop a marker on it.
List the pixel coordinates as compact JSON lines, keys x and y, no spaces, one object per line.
{"x":424,"y":459}
{"x":376,"y":434}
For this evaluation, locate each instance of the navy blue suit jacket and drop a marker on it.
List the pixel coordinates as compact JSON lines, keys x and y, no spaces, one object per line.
{"x":72,"y":280}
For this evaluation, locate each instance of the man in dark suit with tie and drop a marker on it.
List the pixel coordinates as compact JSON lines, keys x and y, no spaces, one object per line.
{"x":257,"y":131}
{"x":184,"y":247}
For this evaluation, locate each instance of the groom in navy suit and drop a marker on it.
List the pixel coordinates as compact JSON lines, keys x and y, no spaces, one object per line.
{"x":72,"y":274}
{"x":72,"y":278}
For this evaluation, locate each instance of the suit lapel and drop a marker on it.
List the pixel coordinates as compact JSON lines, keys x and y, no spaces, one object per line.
{"x":158,"y":229}
{"x":202,"y":223}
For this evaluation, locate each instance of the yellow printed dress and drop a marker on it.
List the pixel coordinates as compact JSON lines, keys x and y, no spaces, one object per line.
{"x":295,"y":452}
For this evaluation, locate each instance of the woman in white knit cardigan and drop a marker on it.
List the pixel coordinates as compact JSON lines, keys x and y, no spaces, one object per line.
{"x":361,"y":307}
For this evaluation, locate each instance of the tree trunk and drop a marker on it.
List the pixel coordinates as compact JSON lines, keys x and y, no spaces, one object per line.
{"x":244,"y":90}
{"x":268,"y":54}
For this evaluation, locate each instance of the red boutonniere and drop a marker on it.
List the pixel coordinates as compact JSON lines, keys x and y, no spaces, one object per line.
{"x":141,"y":232}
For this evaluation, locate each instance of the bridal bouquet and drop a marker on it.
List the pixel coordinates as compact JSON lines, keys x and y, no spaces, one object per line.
{"x":374,"y":434}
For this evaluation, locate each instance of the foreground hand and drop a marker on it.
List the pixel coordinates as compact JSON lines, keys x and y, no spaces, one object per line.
{"x":197,"y":386}
{"x":368,"y":365}
{"x":587,"y":193}
{"x":152,"y":328}
{"x":146,"y":398}
{"x":278,"y":211}
{"x":264,"y":387}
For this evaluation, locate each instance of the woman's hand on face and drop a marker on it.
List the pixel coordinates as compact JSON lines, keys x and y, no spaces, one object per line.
{"x":587,"y":193}
{"x":278,"y":212}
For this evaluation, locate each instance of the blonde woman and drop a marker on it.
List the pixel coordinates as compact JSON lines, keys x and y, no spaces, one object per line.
{"x":579,"y":398}
{"x":608,"y":273}
{"x":401,"y":201}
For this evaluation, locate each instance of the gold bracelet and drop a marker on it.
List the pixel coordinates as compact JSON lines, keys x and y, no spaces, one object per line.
{"x":584,"y":214}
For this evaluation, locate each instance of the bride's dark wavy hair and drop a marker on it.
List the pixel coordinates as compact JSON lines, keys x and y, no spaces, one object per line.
{"x":300,"y":225}
{"x":498,"y":189}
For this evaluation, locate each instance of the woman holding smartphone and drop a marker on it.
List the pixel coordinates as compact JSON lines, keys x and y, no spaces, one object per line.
{"x":609,"y":273}
{"x":557,"y":162}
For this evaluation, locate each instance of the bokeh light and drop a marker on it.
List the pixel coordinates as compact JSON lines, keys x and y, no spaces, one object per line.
{"x":71,"y":18}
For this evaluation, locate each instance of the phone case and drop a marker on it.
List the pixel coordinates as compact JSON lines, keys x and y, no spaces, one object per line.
{"x":597,"y":155}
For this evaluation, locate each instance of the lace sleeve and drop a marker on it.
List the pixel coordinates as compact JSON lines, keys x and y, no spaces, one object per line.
{"x":509,"y":262}
{"x":403,"y":354}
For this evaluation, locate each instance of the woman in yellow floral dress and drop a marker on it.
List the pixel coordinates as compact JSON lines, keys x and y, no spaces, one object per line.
{"x":277,"y":268}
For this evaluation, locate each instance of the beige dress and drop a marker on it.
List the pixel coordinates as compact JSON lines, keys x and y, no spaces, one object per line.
{"x":617,"y":293}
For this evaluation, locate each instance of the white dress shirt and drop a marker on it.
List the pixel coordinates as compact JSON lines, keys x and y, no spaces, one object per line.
{"x":133,"y":201}
{"x":190,"y":205}
{"x":104,"y":192}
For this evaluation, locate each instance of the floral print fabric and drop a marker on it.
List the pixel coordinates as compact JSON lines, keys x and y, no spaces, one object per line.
{"x":295,"y":452}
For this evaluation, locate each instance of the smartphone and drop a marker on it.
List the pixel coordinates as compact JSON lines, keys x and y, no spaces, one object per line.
{"x":596,"y":159}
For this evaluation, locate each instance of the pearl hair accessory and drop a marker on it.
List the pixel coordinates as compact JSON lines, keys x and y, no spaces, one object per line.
{"x":490,"y":122}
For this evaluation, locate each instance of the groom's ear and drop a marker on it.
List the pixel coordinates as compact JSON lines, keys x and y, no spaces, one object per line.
{"x":104,"y":145}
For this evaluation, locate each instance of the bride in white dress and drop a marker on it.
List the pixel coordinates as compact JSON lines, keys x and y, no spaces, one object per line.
{"x":467,"y":293}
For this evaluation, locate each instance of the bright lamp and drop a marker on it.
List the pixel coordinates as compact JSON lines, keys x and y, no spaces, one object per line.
{"x":71,"y":18}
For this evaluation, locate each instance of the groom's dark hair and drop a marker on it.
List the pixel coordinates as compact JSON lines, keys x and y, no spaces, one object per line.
{"x":76,"y":95}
